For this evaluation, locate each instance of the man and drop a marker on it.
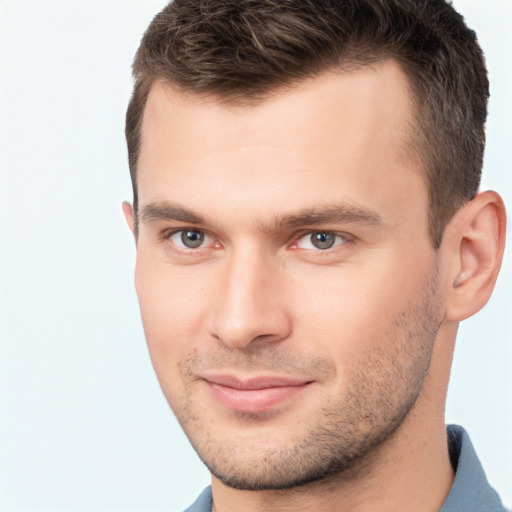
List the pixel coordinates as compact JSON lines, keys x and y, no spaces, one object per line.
{"x":309,"y":235}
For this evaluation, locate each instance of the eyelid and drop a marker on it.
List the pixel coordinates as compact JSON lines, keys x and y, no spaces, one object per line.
{"x":339,"y":234}
{"x":170,"y":232}
{"x":166,"y":234}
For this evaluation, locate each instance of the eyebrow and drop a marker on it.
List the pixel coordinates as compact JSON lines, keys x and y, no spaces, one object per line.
{"x":346,"y":212}
{"x":168,"y":211}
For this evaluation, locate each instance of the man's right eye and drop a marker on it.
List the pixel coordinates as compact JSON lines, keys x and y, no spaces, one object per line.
{"x":188,"y":238}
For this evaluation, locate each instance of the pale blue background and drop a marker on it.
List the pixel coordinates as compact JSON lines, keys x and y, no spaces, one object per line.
{"x":83,"y":424}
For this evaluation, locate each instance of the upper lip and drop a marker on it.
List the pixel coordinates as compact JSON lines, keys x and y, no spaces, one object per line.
{"x":256,"y":382}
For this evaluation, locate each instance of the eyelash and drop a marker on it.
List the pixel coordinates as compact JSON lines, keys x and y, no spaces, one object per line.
{"x":346,"y":239}
{"x":309,"y":235}
{"x":168,"y":234}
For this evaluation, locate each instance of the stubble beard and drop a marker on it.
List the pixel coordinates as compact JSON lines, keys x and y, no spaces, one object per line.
{"x":381,"y":394}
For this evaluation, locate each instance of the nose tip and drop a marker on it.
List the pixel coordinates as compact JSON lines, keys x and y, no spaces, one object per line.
{"x":251,"y":308}
{"x":240,"y":321}
{"x":243,"y":335}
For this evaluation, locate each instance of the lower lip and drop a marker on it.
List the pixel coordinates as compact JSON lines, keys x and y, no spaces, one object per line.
{"x":254,"y":400}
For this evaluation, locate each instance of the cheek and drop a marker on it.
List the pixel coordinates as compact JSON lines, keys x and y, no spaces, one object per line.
{"x":171,"y":310}
{"x":350,"y":311}
{"x":169,"y":296}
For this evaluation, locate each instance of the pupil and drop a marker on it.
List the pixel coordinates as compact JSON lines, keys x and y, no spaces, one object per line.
{"x":192,"y":239}
{"x":323,"y":240}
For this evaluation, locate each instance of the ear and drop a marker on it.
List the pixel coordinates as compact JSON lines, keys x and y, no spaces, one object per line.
{"x":475,"y":241}
{"x":129,"y":215}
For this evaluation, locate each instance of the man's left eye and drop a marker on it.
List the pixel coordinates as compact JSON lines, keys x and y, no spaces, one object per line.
{"x":322,"y":240}
{"x":188,"y":238}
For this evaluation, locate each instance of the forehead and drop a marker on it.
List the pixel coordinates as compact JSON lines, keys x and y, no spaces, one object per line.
{"x":342,"y":136}
{"x":372,"y":93}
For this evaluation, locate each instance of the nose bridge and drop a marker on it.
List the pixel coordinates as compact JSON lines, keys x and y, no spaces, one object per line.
{"x":251,"y":303}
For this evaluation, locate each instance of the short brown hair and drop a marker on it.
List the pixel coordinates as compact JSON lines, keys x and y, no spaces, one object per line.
{"x":242,"y":50}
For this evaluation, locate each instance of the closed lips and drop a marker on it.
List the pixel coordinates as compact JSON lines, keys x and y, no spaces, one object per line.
{"x":255,"y":394}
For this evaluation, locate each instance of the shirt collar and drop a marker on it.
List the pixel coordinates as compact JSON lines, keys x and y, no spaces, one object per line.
{"x":470,"y":491}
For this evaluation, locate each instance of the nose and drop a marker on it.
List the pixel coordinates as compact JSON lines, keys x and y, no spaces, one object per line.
{"x":250,"y":307}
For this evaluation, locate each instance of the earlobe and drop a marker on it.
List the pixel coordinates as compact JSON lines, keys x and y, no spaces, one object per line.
{"x":129,"y":215}
{"x":477,"y":238}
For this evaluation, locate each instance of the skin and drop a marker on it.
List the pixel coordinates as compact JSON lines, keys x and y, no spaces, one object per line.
{"x":367,"y":326}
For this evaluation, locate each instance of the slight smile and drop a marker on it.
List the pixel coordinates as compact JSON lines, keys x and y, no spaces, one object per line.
{"x":254,"y":395}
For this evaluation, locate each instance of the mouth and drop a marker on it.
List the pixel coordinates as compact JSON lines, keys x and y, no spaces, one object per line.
{"x":255,"y":394}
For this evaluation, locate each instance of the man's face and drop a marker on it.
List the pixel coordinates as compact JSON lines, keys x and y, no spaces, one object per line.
{"x":285,"y":275}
